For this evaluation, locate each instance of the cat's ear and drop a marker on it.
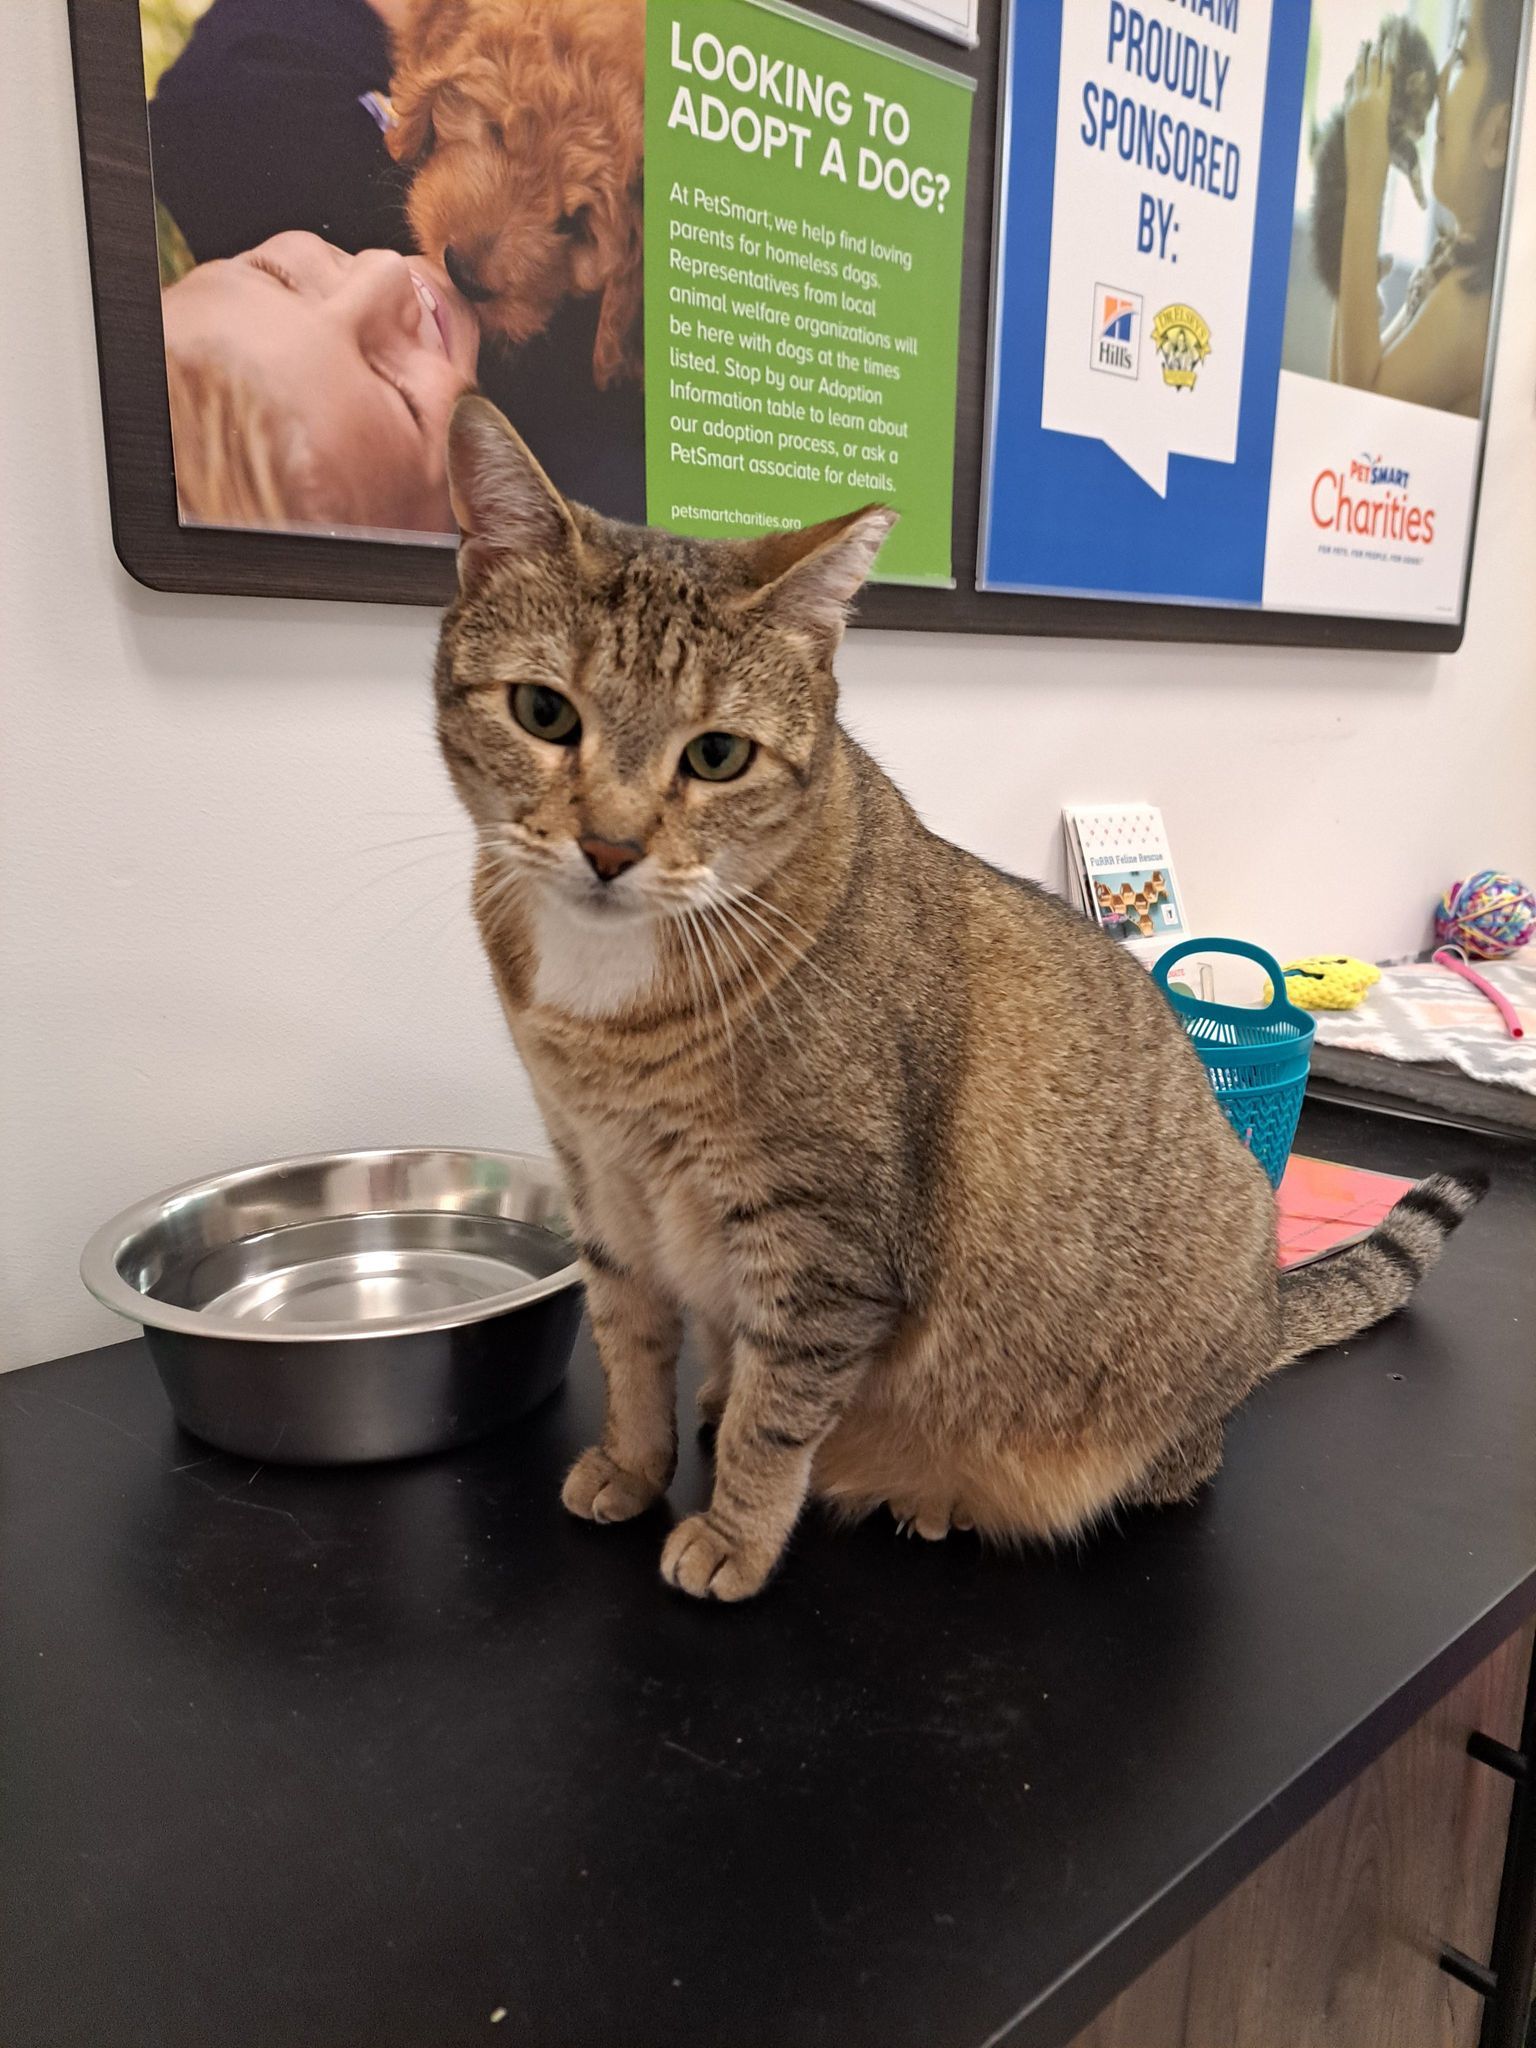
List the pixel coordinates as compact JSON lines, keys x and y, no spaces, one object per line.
{"x":808,"y":579}
{"x":506,"y":506}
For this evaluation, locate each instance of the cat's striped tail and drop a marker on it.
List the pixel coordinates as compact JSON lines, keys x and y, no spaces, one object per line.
{"x":1339,"y":1297}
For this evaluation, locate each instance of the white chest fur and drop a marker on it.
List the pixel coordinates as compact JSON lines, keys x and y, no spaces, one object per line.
{"x":590,"y":966}
{"x":659,"y":1223}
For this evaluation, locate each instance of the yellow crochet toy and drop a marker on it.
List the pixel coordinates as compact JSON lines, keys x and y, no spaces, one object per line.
{"x":1326,"y":981}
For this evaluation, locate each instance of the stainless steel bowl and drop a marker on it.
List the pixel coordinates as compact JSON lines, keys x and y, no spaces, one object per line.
{"x":351,"y":1306}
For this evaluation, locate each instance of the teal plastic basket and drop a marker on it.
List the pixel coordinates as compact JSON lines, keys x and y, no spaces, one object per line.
{"x":1257,"y":1060}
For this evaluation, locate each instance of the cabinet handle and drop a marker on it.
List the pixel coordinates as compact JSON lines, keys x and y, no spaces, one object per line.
{"x":1498,"y":1756}
{"x":1477,"y":1976}
{"x":1504,"y":1984}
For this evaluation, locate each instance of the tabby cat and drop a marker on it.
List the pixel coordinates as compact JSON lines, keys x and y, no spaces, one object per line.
{"x":851,"y":1100}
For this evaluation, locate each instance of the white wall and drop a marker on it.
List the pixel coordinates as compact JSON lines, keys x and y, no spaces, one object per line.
{"x":205,"y":957}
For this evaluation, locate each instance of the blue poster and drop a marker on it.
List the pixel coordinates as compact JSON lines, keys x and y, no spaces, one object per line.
{"x":1195,"y":398}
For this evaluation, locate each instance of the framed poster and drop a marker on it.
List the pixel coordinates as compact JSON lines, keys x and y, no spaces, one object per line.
{"x":1261,"y":379}
{"x":705,"y":254}
{"x":953,"y":18}
{"x":313,"y":121}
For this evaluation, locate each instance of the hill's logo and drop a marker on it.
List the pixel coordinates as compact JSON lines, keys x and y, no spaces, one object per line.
{"x":1183,"y":340}
{"x":1116,"y":332}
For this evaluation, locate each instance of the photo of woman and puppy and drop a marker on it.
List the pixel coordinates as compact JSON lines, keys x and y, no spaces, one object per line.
{"x":1399,"y":197}
{"x":365,"y":206}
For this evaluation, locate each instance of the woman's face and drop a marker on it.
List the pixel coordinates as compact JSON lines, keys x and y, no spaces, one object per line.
{"x":361,"y":357}
{"x":1470,"y":130}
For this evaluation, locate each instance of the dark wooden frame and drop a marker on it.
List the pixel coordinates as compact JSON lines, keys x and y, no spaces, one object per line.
{"x":156,"y":549}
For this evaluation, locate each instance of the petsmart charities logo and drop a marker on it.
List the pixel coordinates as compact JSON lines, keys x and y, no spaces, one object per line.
{"x":1183,"y":341}
{"x":1116,"y":332}
{"x":1370,"y":497}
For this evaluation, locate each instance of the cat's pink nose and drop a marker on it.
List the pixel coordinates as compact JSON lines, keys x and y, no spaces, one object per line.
{"x":608,"y":858}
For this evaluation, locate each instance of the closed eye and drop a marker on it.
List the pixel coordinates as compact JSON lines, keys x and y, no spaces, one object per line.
{"x":265,"y":263}
{"x":395,"y":384}
{"x":286,"y":280}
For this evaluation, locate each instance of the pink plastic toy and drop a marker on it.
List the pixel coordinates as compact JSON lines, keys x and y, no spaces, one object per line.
{"x":1456,"y":960}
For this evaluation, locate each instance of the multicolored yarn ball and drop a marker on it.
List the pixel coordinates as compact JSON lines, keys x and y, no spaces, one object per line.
{"x":1488,"y":915}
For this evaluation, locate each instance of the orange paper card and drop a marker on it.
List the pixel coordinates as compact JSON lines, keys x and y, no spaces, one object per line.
{"x":1321,"y":1207}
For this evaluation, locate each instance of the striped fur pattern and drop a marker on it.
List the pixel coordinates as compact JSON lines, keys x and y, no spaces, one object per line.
{"x":923,"y":1158}
{"x":1326,"y":1302}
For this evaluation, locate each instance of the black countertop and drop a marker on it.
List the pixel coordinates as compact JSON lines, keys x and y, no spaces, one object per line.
{"x":308,"y":1760}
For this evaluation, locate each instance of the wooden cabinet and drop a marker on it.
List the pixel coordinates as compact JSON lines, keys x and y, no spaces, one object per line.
{"x":1334,"y":1942}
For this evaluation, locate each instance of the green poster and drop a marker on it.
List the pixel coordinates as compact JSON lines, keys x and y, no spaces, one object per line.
{"x":804,"y":224}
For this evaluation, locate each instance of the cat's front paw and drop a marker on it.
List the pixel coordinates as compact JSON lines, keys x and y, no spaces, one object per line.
{"x":699,"y":1558}
{"x":600,"y":1490}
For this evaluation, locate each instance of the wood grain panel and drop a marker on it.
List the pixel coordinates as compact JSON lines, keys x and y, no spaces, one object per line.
{"x":1333,"y":1943}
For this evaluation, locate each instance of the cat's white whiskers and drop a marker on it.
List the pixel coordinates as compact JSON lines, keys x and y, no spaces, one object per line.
{"x":744,"y":937}
{"x":414,"y":813}
{"x":762,"y":903}
{"x":711,"y":911}
{"x":775,"y":943}
{"x":498,"y":896}
{"x":457,"y":833}
{"x":743,"y":903}
{"x":495,"y":902}
{"x":725,"y":1018}
{"x":695,"y":975}
{"x":695,"y":987}
{"x":458,"y":888}
{"x":361,"y":889}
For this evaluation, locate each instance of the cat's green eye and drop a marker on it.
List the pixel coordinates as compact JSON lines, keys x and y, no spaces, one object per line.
{"x":546,"y":714}
{"x":717,"y":756}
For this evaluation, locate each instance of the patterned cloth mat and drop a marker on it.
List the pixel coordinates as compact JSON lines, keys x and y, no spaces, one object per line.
{"x":1424,"y":1012}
